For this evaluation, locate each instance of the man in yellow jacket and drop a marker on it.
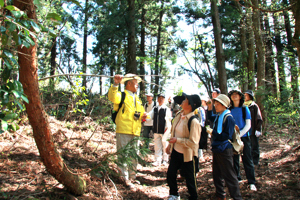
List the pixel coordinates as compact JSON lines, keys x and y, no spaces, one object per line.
{"x":128,"y":119}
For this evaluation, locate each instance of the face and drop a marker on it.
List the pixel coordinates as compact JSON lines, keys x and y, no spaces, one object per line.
{"x":235,"y":96}
{"x":185,"y":104}
{"x":203,"y":103}
{"x":161,"y":100}
{"x":214,"y":94}
{"x":247,"y":97}
{"x":132,"y":85}
{"x":149,"y":99}
{"x":219,"y":107}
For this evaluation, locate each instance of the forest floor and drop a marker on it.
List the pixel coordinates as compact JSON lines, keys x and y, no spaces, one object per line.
{"x":23,"y":175}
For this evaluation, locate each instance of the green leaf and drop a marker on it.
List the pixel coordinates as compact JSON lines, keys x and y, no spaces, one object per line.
{"x":25,"y":98}
{"x":52,"y":33}
{"x":4,"y":125}
{"x":6,"y":74}
{"x":12,"y":8}
{"x":4,"y":39}
{"x":10,"y":116}
{"x":16,"y":93}
{"x":19,"y":104}
{"x":11,"y":86}
{"x":38,"y":4}
{"x":54,"y":17}
{"x":7,"y":63}
{"x":11,"y":26}
{"x":2,"y":28}
{"x":16,"y":38}
{"x":17,"y":14}
{"x":35,"y":26}
{"x":8,"y":54}
{"x":1,"y":3}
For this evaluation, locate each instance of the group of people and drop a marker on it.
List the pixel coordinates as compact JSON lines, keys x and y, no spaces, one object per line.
{"x":180,"y":132}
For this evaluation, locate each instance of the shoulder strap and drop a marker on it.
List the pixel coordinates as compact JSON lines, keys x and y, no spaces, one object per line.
{"x":122,"y":100}
{"x":244,"y":112}
{"x":154,"y":103}
{"x":146,"y":105}
{"x":190,"y":122}
{"x":225,"y":117}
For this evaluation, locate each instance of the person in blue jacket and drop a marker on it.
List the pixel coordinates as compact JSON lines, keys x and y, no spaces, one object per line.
{"x":222,"y":132}
{"x":242,"y":117}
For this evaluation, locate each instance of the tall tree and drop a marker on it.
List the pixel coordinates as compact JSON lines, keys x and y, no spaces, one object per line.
{"x":37,"y":117}
{"x":53,"y":63}
{"x":219,"y":47}
{"x":85,"y":36}
{"x":131,"y":53}
{"x":260,"y":51}
{"x":158,"y":47}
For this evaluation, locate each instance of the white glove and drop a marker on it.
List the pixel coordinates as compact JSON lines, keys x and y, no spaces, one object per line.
{"x":257,"y":133}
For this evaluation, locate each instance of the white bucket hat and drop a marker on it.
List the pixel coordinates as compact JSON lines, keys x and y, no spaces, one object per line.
{"x":223,"y":99}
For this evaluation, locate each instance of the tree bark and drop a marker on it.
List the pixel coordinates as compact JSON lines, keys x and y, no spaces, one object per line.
{"x":251,"y":51}
{"x":294,"y":68}
{"x":156,"y":67}
{"x":296,"y":38}
{"x":280,"y":61}
{"x":53,"y":64}
{"x":131,"y":54}
{"x":260,"y":50}
{"x":37,"y":116}
{"x":271,"y":81}
{"x":85,"y":35}
{"x":143,"y":54}
{"x":219,"y":48}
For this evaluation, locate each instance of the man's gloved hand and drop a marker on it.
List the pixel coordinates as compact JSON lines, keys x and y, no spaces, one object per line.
{"x":257,"y":133}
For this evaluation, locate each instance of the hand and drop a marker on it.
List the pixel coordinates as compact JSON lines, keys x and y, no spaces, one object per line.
{"x":117,"y":79}
{"x":168,"y":149}
{"x":209,"y":104}
{"x":209,"y":130}
{"x":144,"y":116}
{"x":257,"y":133}
{"x":173,"y":140}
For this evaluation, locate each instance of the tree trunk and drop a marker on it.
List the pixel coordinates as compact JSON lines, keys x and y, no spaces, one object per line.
{"x":37,"y":116}
{"x":271,"y":81}
{"x":280,"y":61}
{"x":251,"y":51}
{"x":219,"y":48}
{"x":53,"y":64}
{"x":85,"y":35}
{"x":143,"y":54}
{"x":131,"y":54}
{"x":294,"y":68}
{"x":260,"y":50}
{"x":156,"y":67}
{"x":296,"y":38}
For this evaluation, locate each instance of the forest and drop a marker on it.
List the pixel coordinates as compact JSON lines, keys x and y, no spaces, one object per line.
{"x":58,"y":59}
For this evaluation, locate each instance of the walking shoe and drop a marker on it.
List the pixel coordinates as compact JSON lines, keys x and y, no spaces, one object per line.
{"x":173,"y":197}
{"x":156,"y":164}
{"x":165,"y":163}
{"x":252,"y":187}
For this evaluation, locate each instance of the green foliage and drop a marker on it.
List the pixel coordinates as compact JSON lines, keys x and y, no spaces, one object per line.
{"x":79,"y":98}
{"x":282,"y":114}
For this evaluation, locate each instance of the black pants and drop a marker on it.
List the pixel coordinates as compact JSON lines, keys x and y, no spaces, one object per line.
{"x":189,"y":169}
{"x":255,"y":149}
{"x":247,"y":162}
{"x":223,"y":171}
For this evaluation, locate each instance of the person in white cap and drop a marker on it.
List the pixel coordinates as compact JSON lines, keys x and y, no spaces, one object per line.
{"x":222,"y":131}
{"x":128,"y":119}
{"x":161,"y":116}
{"x":148,"y":124}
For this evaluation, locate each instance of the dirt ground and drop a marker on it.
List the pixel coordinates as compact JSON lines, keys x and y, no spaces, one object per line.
{"x":23,"y":175}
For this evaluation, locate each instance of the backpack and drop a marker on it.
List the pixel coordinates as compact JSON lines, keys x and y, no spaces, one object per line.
{"x":113,"y":112}
{"x":236,"y":141}
{"x":197,"y":166}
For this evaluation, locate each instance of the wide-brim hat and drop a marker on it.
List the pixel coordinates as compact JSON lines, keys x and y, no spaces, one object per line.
{"x":238,"y":91}
{"x":128,"y":77}
{"x":194,"y":100}
{"x":223,"y":99}
{"x":217,"y":90}
{"x":250,"y":92}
